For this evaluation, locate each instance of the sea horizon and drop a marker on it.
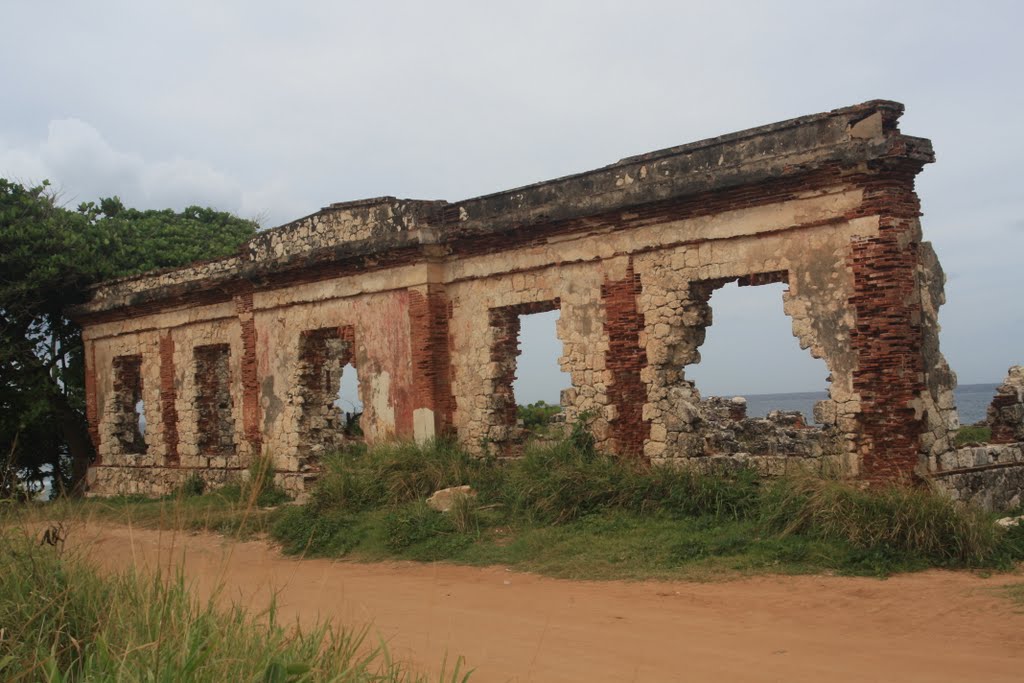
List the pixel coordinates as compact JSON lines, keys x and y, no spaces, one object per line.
{"x":972,"y":401}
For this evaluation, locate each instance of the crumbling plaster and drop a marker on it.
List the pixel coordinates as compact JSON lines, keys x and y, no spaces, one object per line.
{"x":429,"y":294}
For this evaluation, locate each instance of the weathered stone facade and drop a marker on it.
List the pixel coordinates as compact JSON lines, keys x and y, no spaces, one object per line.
{"x":424,"y":299}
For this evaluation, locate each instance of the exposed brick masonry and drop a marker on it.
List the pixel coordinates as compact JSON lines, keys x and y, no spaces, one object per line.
{"x":168,"y":399}
{"x":887,"y":336}
{"x":91,"y":407}
{"x":431,"y":358}
{"x":250,"y":374}
{"x":625,"y":359}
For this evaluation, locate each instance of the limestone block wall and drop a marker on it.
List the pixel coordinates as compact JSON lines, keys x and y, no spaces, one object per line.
{"x":484,"y":335}
{"x":1006,"y":413}
{"x":241,"y":357}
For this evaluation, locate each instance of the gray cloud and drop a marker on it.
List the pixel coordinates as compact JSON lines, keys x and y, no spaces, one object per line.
{"x":260,"y":107}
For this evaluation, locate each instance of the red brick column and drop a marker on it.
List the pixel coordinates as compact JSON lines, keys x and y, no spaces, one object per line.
{"x":887,"y":338}
{"x":431,"y":355}
{"x":168,"y":398}
{"x":625,"y":359}
{"x":250,"y":374}
{"x":91,"y":407}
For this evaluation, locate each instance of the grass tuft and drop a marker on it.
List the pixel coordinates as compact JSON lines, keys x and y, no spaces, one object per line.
{"x":64,"y":622}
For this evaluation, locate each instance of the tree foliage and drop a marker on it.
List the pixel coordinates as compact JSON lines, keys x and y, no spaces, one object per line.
{"x":49,"y":256}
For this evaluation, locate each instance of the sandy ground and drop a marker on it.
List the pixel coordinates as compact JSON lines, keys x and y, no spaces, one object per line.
{"x":933,"y":626}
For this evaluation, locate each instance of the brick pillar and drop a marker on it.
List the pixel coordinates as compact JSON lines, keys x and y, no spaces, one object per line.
{"x":250,"y":374}
{"x":888,"y":337}
{"x":91,"y":407}
{"x":625,"y":359}
{"x":168,"y":400}
{"x":434,"y":403}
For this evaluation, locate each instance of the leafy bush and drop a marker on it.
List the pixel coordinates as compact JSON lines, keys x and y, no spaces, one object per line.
{"x":537,"y":417}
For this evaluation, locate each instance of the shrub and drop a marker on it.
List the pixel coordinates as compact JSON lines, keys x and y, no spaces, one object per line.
{"x":391,"y":474}
{"x":308,"y":531}
{"x":566,"y":480}
{"x":893,"y":519}
{"x":193,"y":485}
{"x":537,"y":417}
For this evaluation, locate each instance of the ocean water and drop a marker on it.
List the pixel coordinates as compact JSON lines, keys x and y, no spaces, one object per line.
{"x":971,"y":400}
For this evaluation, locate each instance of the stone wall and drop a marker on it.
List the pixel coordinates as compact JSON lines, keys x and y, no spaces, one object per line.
{"x":1006,"y":413}
{"x":424,"y":298}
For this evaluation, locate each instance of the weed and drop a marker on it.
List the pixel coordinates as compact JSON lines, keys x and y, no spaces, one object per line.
{"x":896,"y":521}
{"x":972,"y":434}
{"x":64,"y":622}
{"x":194,"y":485}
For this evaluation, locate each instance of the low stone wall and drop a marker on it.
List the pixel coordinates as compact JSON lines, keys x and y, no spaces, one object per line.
{"x":153,"y":481}
{"x":777,"y":444}
{"x":990,"y":476}
{"x":106,"y":481}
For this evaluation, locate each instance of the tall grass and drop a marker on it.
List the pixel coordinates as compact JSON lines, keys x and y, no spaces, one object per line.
{"x":372,"y":502}
{"x":62,"y":621}
{"x":909,"y":521}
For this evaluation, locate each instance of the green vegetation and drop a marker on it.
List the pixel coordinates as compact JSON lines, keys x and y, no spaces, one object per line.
{"x":62,"y":621}
{"x":241,"y":510}
{"x":49,"y":255}
{"x":970,"y":434}
{"x":537,"y":417}
{"x":1015,"y":592}
{"x":569,"y":511}
{"x":566,"y":510}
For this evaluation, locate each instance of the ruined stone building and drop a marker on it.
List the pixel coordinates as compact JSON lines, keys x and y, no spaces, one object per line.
{"x":242,"y":355}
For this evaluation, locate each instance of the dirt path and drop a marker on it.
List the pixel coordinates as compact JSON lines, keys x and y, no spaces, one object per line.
{"x":935,"y":626}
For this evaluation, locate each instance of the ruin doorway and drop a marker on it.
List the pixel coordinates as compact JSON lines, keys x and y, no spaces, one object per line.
{"x":539,"y":379}
{"x":128,"y":414}
{"x":533,"y":373}
{"x":750,"y":351}
{"x":323,"y":354}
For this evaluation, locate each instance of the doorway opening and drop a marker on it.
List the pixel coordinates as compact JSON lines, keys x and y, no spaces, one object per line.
{"x":529,"y":381}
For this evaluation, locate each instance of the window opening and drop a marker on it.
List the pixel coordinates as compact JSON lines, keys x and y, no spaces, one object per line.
{"x":323,"y":353}
{"x":750,"y":352}
{"x":128,"y":416}
{"x":213,"y":398}
{"x":539,"y":380}
{"x":348,"y":400}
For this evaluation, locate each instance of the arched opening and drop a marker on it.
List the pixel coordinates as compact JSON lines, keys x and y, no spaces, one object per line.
{"x":348,"y":401}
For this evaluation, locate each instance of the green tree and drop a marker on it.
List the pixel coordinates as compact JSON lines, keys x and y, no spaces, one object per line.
{"x":49,"y":256}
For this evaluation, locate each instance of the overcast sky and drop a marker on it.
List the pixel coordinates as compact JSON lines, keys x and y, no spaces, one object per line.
{"x":277,"y":109}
